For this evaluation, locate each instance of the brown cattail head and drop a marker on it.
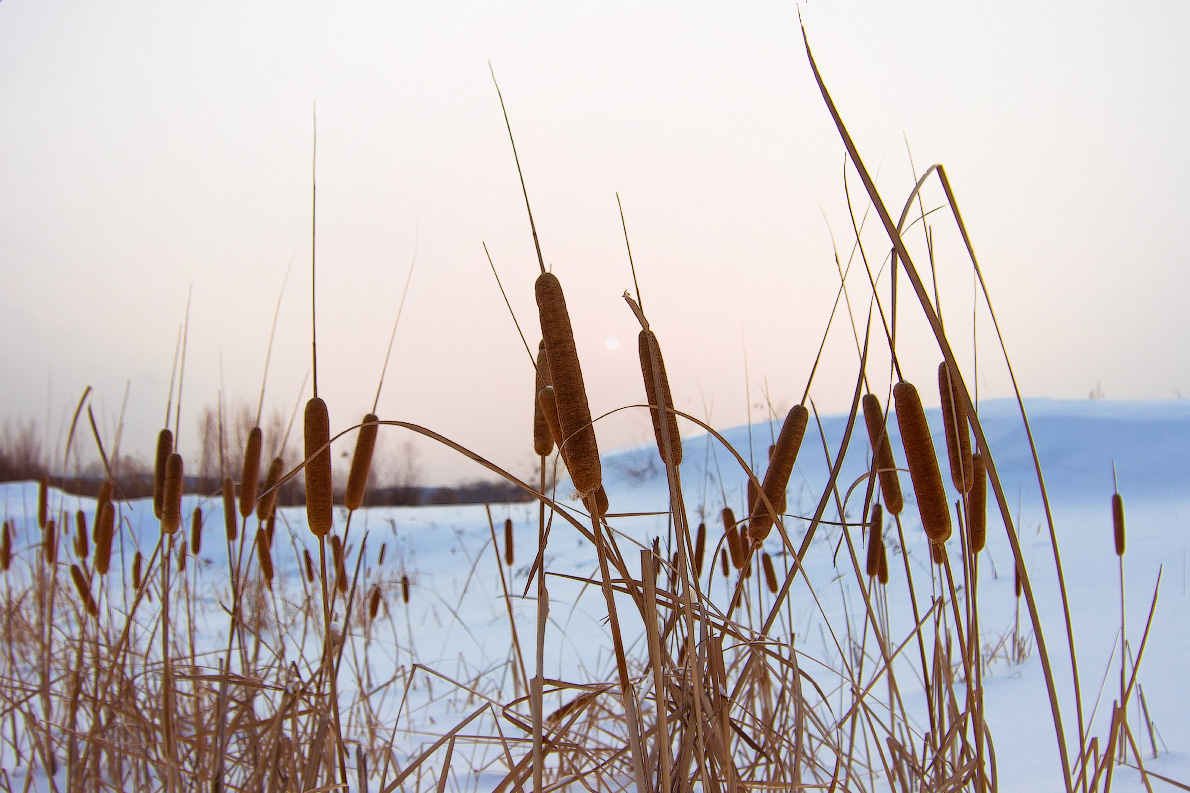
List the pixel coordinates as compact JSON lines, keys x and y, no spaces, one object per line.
{"x":105,"y":493}
{"x":650,"y":351}
{"x":171,"y":498}
{"x":886,"y":466}
{"x":83,"y":587}
{"x":1016,"y":581}
{"x":736,"y":540}
{"x":700,"y":549}
{"x":597,"y":502}
{"x":5,"y":546}
{"x":1117,"y":519}
{"x":340,"y":566}
{"x":137,"y":570}
{"x":937,"y":553}
{"x":105,"y":530}
{"x":43,"y":487}
{"x":977,"y":504}
{"x":883,"y":564}
{"x":196,"y":531}
{"x":319,"y":503}
{"x":361,"y":463}
{"x":230,"y":524}
{"x":954,"y":423}
{"x":49,"y":543}
{"x":875,"y":541}
{"x":723,"y":561}
{"x":922,"y":463}
{"x":549,"y":410}
{"x":182,"y":550}
{"x":776,"y":478}
{"x":405,"y":588}
{"x":374,"y":604}
{"x":82,"y":546}
{"x":508,"y":551}
{"x":309,"y":566}
{"x":728,"y":520}
{"x":574,"y":414}
{"x":543,"y":436}
{"x":380,"y":559}
{"x":770,"y":575}
{"x":264,"y":557}
{"x":165,"y":447}
{"x":250,"y":473}
{"x":268,"y":495}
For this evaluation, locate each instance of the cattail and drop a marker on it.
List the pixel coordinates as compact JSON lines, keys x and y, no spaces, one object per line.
{"x":309,"y":565}
{"x":196,"y":531}
{"x":82,"y":548}
{"x":49,"y":545}
{"x":657,"y":556}
{"x":250,"y":473}
{"x":83,"y":587}
{"x":405,"y":588}
{"x":508,"y":554}
{"x":380,"y":559}
{"x":1016,"y":581}
{"x":264,"y":557}
{"x":977,"y":504}
{"x":883,"y":564}
{"x":886,"y":466}
{"x":105,"y":493}
{"x":361,"y":463}
{"x":543,"y":436}
{"x":922,"y":463}
{"x":137,"y":564}
{"x":700,"y":548}
{"x":1117,"y":519}
{"x":770,"y":575}
{"x":958,"y":439}
{"x":43,"y":487}
{"x":650,"y":350}
{"x":745,"y":554}
{"x":597,"y":502}
{"x":566,"y":376}
{"x":776,"y":478}
{"x":318,"y":468}
{"x":182,"y":556}
{"x":549,"y":409}
{"x":374,"y":604}
{"x":728,"y":520}
{"x":171,"y":499}
{"x":723,"y":561}
{"x":270,"y":526}
{"x":875,"y":541}
{"x":230,"y":524}
{"x":105,"y":530}
{"x":340,"y":566}
{"x":937,"y":552}
{"x":736,"y":547}
{"x":268,"y":496}
{"x":5,"y":547}
{"x":165,"y":447}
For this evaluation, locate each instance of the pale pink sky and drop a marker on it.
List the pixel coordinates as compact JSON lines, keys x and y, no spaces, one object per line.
{"x":147,"y":147}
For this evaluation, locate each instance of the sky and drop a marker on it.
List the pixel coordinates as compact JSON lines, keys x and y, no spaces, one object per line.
{"x":148,"y":150}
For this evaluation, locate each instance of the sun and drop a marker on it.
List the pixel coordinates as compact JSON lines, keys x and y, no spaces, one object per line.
{"x":612,"y":343}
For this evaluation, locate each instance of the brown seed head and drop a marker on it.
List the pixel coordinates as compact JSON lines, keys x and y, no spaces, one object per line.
{"x":82,"y":546}
{"x":875,"y":541}
{"x":886,"y":466}
{"x":405,"y":588}
{"x":543,"y":435}
{"x":958,"y":438}
{"x":165,"y":447}
{"x":250,"y":473}
{"x":700,"y":548}
{"x":977,"y":504}
{"x":649,"y":350}
{"x":319,"y":495}
{"x":736,"y":547}
{"x":268,"y":494}
{"x":380,"y":559}
{"x":508,"y":550}
{"x":43,"y":487}
{"x":264,"y":557}
{"x":574,"y":414}
{"x":196,"y":531}
{"x":105,"y":493}
{"x":5,"y":547}
{"x":361,"y":463}
{"x":105,"y":530}
{"x":83,"y":587}
{"x":776,"y":478}
{"x":137,"y":565}
{"x":938,"y":553}
{"x":49,"y":544}
{"x":549,"y":410}
{"x":922,"y":463}
{"x":1016,"y":581}
{"x":1117,"y":519}
{"x":723,"y":561}
{"x":374,"y":604}
{"x":171,"y":499}
{"x":770,"y":575}
{"x":597,"y":502}
{"x":883,"y":564}
{"x":309,"y":565}
{"x":230,"y":524}
{"x":340,"y":565}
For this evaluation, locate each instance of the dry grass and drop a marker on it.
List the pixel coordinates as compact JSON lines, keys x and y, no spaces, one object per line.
{"x":318,"y":683}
